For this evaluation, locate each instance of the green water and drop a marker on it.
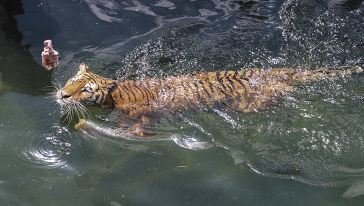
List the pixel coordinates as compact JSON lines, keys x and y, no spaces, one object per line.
{"x":44,"y":163}
{"x":305,"y":149}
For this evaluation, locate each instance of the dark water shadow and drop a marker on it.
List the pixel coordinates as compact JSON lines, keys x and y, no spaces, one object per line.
{"x":19,"y":72}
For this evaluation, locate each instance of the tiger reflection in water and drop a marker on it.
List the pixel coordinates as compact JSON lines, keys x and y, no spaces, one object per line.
{"x":244,"y":91}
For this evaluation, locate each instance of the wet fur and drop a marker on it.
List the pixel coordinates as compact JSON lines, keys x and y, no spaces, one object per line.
{"x":245,"y":90}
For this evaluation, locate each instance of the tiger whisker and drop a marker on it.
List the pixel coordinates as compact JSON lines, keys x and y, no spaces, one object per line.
{"x":68,"y":112}
{"x":77,"y":111}
{"x":84,"y":110}
{"x":72,"y":109}
{"x":56,"y":86}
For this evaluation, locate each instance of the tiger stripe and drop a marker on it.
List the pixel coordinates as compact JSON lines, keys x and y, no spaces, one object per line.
{"x":245,"y":89}
{"x":194,"y":83}
{"x":205,"y":89}
{"x":140,"y":91}
{"x":126,"y":90}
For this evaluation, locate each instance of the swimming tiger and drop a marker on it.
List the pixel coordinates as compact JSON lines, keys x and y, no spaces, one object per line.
{"x":244,"y":90}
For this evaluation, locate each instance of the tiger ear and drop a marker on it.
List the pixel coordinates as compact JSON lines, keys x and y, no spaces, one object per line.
{"x":83,"y":68}
{"x":110,"y":85}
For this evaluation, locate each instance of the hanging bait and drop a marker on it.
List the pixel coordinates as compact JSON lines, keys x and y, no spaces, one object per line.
{"x":50,"y":57}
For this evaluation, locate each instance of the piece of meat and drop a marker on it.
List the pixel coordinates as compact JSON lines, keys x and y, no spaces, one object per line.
{"x":49,"y":56}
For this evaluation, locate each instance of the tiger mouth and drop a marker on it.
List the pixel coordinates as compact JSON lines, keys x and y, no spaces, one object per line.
{"x":60,"y":101}
{"x":63,"y":102}
{"x":71,"y":108}
{"x":69,"y":101}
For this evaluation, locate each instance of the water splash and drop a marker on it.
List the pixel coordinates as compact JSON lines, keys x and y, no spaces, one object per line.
{"x":192,"y":143}
{"x":314,"y":35}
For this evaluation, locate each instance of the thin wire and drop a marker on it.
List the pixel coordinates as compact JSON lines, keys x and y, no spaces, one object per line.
{"x":50,"y":19}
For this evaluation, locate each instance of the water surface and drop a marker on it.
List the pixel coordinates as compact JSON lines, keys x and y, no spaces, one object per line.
{"x":306,"y":149}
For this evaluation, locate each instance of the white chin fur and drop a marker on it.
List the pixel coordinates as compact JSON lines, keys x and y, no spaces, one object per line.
{"x":59,"y":95}
{"x":64,"y":102}
{"x":61,"y":102}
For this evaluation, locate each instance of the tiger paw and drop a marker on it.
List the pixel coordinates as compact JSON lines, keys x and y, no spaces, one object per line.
{"x":142,"y":133}
{"x":138,"y":130}
{"x":81,"y":124}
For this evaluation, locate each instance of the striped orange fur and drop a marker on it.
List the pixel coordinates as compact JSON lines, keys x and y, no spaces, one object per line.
{"x":243,"y":90}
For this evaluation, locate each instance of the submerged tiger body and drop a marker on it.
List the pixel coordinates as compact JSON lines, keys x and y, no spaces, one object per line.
{"x":244,"y":90}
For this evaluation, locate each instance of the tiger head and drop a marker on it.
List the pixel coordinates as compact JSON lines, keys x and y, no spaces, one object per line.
{"x":85,"y":88}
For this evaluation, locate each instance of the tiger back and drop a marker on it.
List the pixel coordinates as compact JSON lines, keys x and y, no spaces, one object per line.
{"x":244,"y":90}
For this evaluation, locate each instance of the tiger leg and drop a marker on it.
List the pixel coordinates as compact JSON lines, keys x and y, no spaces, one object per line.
{"x":138,"y":128}
{"x":241,"y":106}
{"x":139,"y":114}
{"x":250,"y":103}
{"x":81,"y":124}
{"x":243,"y":102}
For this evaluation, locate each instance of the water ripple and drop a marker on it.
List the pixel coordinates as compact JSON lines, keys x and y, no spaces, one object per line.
{"x":51,"y":150}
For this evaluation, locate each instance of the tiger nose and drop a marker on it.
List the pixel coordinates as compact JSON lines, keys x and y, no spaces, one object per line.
{"x":62,"y":95}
